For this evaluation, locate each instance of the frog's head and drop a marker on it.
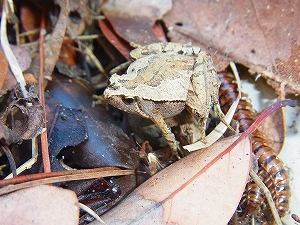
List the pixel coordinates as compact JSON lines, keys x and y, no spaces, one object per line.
{"x":126,"y":104}
{"x":123,"y":99}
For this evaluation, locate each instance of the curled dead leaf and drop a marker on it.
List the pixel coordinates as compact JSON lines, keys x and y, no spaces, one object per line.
{"x":24,"y":115}
{"x":7,"y":136}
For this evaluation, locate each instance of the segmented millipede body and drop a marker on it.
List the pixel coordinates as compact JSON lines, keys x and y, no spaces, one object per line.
{"x":271,"y":169}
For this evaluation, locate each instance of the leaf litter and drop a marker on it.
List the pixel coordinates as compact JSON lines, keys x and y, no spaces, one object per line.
{"x":257,"y":44}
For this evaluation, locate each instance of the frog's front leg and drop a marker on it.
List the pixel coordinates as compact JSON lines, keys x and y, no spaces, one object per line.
{"x":169,"y":136}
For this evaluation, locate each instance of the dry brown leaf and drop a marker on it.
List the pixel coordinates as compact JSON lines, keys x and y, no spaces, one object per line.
{"x":8,"y":136}
{"x":133,"y":20}
{"x":52,"y":47}
{"x":107,"y":145}
{"x":24,"y":115}
{"x":22,"y":56}
{"x":123,"y":47}
{"x":7,"y":79}
{"x":262,"y":35}
{"x":30,"y":17}
{"x":4,"y":68}
{"x":80,"y":15}
{"x":190,"y":191}
{"x":43,"y":204}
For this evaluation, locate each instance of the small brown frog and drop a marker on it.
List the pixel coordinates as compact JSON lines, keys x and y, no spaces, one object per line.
{"x":163,"y":80}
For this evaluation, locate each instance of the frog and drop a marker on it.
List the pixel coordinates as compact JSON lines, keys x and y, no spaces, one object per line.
{"x":163,"y":80}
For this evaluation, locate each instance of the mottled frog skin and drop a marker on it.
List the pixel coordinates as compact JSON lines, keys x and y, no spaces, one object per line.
{"x":163,"y":80}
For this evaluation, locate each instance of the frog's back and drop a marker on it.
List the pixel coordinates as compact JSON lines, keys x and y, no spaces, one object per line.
{"x":153,"y":69}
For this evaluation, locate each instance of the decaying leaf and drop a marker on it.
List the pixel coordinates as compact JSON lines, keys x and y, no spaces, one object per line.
{"x":7,"y":136}
{"x":43,"y":204}
{"x":51,"y":47}
{"x":22,"y":56}
{"x":107,"y":145}
{"x":66,"y":126}
{"x":30,"y":17}
{"x":194,"y":190}
{"x":24,"y":115}
{"x":123,"y":47}
{"x":262,"y":35}
{"x":133,"y":20}
{"x":3,"y":68}
{"x":80,"y":15}
{"x":7,"y":79}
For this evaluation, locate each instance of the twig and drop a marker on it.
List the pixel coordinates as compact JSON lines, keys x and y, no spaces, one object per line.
{"x":83,"y":37}
{"x":86,"y":50}
{"x":44,"y":138}
{"x":91,"y":212}
{"x":89,"y":53}
{"x":268,"y":195}
{"x":62,"y":176}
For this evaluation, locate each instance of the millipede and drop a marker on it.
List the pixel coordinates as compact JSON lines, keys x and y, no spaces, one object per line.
{"x":270,"y":167}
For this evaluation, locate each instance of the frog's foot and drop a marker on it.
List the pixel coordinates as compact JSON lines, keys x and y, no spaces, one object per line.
{"x":203,"y":140}
{"x":120,"y":67}
{"x":222,"y":116}
{"x":175,"y":149}
{"x":99,"y":100}
{"x":202,"y":127}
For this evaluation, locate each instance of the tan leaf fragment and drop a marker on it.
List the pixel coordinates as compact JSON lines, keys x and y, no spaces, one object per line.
{"x":43,"y":204}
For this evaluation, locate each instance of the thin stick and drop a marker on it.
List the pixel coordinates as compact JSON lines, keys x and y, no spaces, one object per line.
{"x":88,"y":52}
{"x":30,"y":177}
{"x":91,"y":212}
{"x":52,"y":177}
{"x":44,"y":138}
{"x":268,"y":195}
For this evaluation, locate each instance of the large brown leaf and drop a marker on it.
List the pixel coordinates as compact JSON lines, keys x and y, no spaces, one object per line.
{"x":195,"y":190}
{"x":263,"y":35}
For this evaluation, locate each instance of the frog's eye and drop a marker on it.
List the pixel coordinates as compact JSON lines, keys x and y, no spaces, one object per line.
{"x":128,"y":100}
